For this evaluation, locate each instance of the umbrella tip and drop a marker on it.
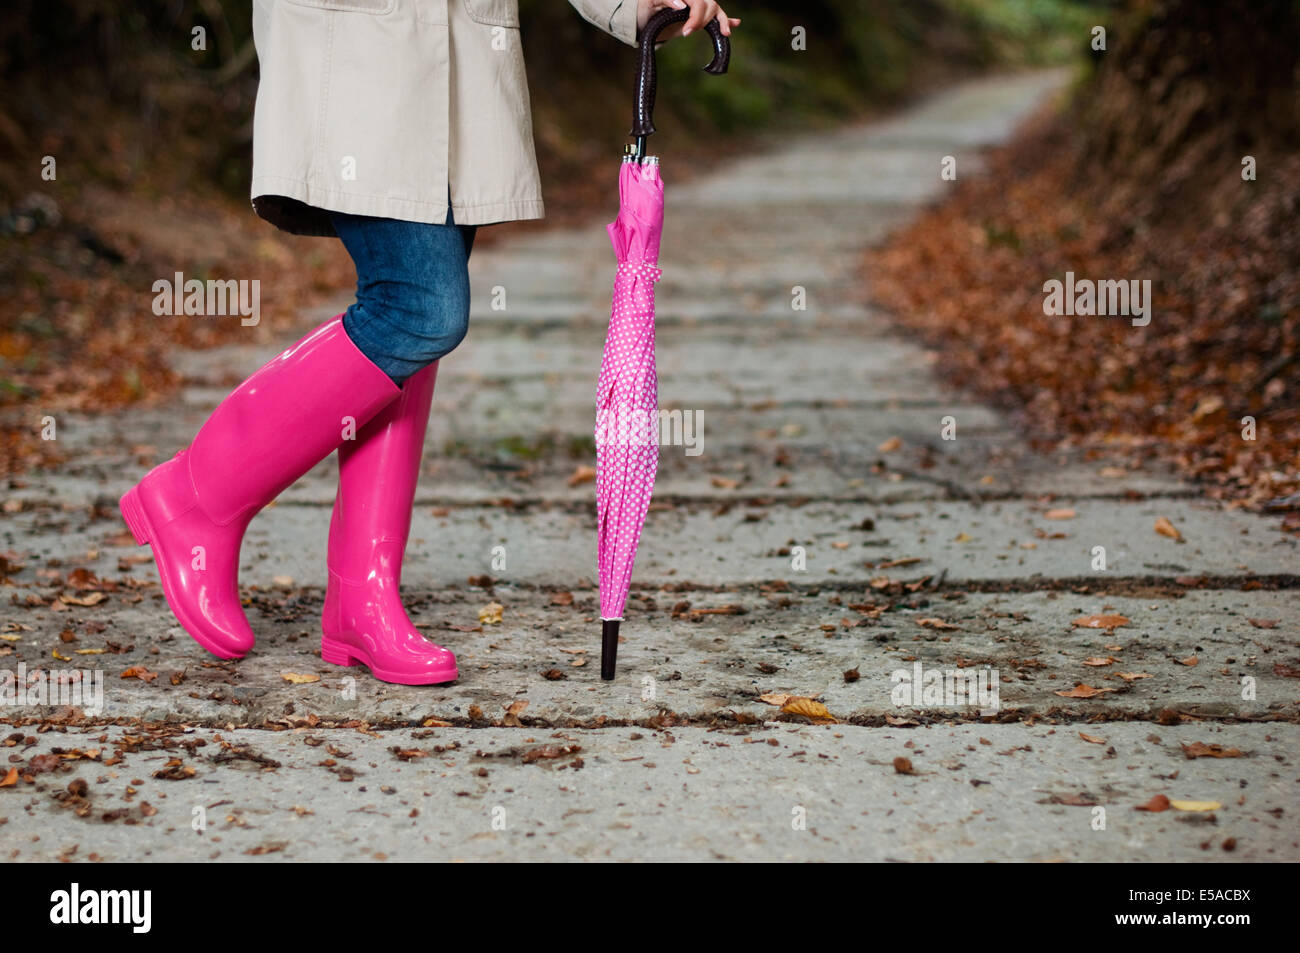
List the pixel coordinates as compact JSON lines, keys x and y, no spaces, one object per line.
{"x":608,"y":648}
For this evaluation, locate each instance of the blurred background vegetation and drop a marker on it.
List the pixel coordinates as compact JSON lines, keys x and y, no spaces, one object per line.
{"x":152,"y":140}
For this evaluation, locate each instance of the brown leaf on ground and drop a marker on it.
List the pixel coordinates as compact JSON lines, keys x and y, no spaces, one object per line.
{"x":562,"y":598}
{"x":1107,"y":622}
{"x":511,"y":718}
{"x":140,"y":672}
{"x":1060,"y":514}
{"x":938,"y":624}
{"x":1157,"y":804}
{"x":1098,"y":661}
{"x":1132,"y":676}
{"x":1264,"y":623}
{"x":549,"y":753}
{"x":1084,"y":691}
{"x":297,"y":678}
{"x":890,"y":445}
{"x":903,"y":766}
{"x":852,"y":675}
{"x":90,"y":599}
{"x":1191,"y":661}
{"x":582,"y":474}
{"x":491,"y":613}
{"x":1199,"y":749}
{"x":1092,"y":739}
{"x":10,"y":779}
{"x":1166,"y":528}
{"x":1286,"y":671}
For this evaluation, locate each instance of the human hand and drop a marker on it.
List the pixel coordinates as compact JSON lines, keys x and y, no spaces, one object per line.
{"x":702,"y":11}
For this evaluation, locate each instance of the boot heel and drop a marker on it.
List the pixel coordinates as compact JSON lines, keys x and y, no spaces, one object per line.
{"x":335,"y":653}
{"x":133,"y":515}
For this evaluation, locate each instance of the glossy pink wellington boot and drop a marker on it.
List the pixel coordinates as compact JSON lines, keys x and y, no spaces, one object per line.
{"x":272,"y":429}
{"x":364,"y":620}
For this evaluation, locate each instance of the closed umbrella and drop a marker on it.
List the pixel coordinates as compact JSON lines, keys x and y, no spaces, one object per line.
{"x":627,"y":401}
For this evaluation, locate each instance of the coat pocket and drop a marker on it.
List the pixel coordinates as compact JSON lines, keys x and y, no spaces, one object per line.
{"x":350,"y":6}
{"x":494,"y":12}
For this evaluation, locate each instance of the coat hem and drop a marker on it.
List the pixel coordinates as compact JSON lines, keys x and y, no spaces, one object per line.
{"x":324,"y":200}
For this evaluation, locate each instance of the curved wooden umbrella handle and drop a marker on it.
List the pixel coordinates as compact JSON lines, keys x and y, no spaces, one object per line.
{"x":646,"y":79}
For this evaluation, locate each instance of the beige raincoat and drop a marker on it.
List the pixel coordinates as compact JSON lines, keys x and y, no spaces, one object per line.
{"x":387,"y":107}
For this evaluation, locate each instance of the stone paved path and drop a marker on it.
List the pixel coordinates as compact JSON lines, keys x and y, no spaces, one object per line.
{"x":795,"y":547}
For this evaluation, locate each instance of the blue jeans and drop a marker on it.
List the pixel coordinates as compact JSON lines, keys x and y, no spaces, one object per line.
{"x":412,"y":302}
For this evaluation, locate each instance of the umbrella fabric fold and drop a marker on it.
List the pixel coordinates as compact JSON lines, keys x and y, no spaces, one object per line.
{"x":627,"y":402}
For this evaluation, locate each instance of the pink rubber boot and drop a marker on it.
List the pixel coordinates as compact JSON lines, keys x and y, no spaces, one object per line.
{"x":272,"y":429}
{"x":364,"y":620}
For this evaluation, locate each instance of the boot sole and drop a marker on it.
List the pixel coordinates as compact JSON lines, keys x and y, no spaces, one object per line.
{"x":133,"y":514}
{"x":337,"y":653}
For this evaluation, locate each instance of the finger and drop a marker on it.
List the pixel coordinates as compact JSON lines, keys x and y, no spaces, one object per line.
{"x":724,"y":22}
{"x":700,"y":15}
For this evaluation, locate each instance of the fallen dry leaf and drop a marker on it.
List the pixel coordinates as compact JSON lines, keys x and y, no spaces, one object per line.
{"x":1264,"y":623}
{"x":1191,"y":661}
{"x":491,"y":613}
{"x":1107,"y":622}
{"x":807,"y":708}
{"x":1098,"y":661}
{"x":1199,"y":749}
{"x":140,"y":672}
{"x":511,"y":717}
{"x":296,"y":678}
{"x":939,"y":624}
{"x":775,"y":698}
{"x":90,"y":599}
{"x":1060,"y":514}
{"x":10,"y":779}
{"x":1195,"y":805}
{"x":1157,"y":804}
{"x":1084,"y":691}
{"x":1166,"y":528}
{"x":1092,"y":739}
{"x":1132,"y":676}
{"x":903,"y":766}
{"x":582,"y":474}
{"x":890,"y":445}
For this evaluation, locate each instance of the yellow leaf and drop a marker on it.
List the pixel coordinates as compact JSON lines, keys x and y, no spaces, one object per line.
{"x":890,"y":445}
{"x":806,"y":707}
{"x":294,"y":678}
{"x":1195,"y":805}
{"x":491,"y":613}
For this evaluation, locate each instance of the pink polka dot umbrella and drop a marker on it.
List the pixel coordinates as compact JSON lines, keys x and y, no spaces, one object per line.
{"x":627,"y":400}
